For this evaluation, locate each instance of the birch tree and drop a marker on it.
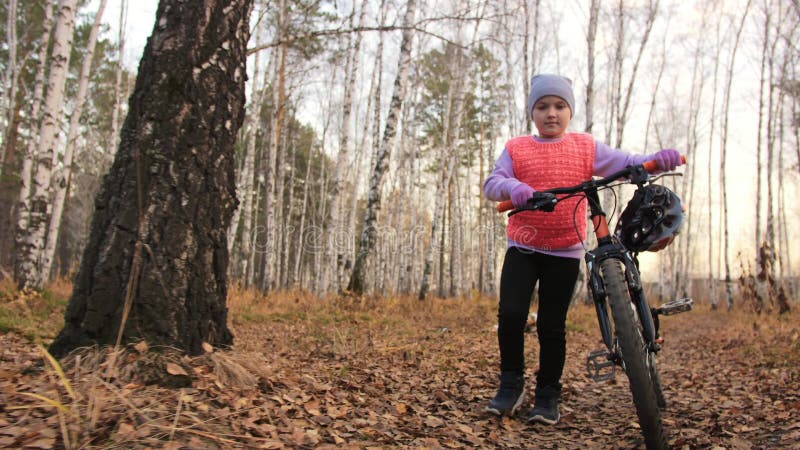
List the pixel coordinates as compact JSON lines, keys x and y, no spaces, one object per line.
{"x":336,"y":250}
{"x":279,"y":102}
{"x":28,"y":269}
{"x":63,"y":177}
{"x":162,"y":215}
{"x":622,"y":116}
{"x":452,"y":60}
{"x":723,"y":154}
{"x":591,"y":38}
{"x":31,"y":149}
{"x":712,"y":275}
{"x":367,"y":236}
{"x":10,"y":77}
{"x":246,"y":178}
{"x":115,"y":114}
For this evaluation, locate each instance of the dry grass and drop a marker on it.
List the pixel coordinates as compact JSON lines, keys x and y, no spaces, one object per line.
{"x":404,"y":315}
{"x":768,"y":339}
{"x":35,"y":315}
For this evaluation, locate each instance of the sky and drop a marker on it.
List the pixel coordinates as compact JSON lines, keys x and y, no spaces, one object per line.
{"x":141,"y":16}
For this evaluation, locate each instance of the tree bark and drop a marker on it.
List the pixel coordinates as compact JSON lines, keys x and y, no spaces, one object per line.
{"x":164,"y":208}
{"x":367,"y":236}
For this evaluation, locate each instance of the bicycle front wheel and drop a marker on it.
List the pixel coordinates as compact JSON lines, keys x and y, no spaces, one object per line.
{"x":631,"y":346}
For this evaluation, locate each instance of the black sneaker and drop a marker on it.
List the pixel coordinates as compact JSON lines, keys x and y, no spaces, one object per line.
{"x":510,"y":395}
{"x":545,"y":405}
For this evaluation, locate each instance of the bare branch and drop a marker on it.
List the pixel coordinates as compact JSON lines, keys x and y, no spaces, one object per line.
{"x":418,"y":27}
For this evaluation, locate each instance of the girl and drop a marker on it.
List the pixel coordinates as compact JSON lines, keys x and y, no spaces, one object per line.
{"x":543,"y":247}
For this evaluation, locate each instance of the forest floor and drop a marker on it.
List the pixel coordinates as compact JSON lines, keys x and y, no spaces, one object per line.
{"x":387,"y":373}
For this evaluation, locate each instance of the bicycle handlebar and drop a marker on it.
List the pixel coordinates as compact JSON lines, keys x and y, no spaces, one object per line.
{"x":649,"y":166}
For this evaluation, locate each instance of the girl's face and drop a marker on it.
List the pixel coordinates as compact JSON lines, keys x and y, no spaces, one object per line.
{"x":551,"y":115}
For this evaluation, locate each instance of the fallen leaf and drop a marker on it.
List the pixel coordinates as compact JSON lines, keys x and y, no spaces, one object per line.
{"x":207,"y":347}
{"x":433,"y":422}
{"x":174,"y":369}
{"x":141,"y":347}
{"x":43,"y":443}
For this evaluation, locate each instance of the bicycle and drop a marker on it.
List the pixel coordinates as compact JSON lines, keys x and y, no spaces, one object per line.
{"x":633,"y":342}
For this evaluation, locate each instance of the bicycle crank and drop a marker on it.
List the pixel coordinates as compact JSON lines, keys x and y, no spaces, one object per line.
{"x":600,"y":365}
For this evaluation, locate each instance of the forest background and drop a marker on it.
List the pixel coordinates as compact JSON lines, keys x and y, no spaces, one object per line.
{"x":716,"y":80}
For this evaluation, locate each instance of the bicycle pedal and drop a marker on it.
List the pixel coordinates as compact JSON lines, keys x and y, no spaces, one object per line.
{"x":600,"y":366}
{"x":675,"y":306}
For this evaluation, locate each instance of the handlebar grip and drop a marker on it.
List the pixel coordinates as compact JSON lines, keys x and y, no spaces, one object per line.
{"x":505,"y":206}
{"x":652,"y":166}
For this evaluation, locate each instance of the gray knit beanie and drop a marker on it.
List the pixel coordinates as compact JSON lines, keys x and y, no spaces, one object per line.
{"x":546,"y":84}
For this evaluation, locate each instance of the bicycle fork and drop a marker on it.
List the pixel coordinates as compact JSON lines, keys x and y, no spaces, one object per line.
{"x":600,"y":364}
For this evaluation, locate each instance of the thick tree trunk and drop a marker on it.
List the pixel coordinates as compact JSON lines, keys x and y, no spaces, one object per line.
{"x":164,"y":208}
{"x":63,"y":177}
{"x":32,"y":239}
{"x":367,"y":237}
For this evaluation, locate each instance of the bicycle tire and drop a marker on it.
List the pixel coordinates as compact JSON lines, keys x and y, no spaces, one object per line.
{"x":657,"y":386}
{"x":632,"y":351}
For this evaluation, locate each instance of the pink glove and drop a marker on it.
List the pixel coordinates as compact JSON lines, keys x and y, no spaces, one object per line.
{"x":521,"y":194}
{"x":667,"y":159}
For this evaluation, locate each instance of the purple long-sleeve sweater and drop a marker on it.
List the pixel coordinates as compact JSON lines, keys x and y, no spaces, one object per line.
{"x":501,"y":182}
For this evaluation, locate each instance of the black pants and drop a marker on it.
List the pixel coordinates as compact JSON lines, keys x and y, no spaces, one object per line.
{"x":556,"y":277}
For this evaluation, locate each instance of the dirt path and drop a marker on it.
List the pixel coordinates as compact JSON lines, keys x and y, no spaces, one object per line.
{"x":419,"y":377}
{"x":431,"y":391}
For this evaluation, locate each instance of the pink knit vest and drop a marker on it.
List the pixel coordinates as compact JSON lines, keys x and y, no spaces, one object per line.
{"x":545,"y":166}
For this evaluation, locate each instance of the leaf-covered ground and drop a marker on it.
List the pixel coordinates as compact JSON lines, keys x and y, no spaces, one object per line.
{"x":393,"y":373}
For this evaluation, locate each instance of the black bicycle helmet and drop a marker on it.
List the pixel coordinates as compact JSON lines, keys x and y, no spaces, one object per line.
{"x":651,"y":220}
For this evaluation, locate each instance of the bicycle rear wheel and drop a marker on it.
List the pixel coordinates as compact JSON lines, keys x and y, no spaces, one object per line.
{"x":633,"y":355}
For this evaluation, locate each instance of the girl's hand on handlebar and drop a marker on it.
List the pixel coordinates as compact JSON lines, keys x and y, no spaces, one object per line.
{"x":543,"y":201}
{"x":521,"y":194}
{"x":668,"y":159}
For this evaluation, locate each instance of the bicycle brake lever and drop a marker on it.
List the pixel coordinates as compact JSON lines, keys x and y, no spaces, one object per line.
{"x":665,"y":174}
{"x":538,"y":206}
